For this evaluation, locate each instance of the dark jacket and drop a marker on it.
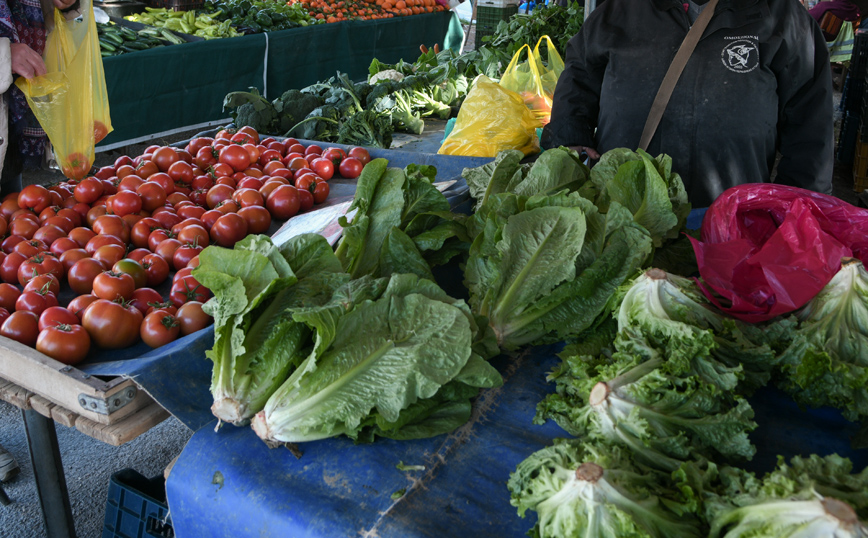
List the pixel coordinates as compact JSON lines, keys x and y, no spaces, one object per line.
{"x":758,"y":81}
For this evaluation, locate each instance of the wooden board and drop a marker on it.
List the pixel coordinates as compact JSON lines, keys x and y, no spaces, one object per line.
{"x":115,"y":434}
{"x":66,"y":386}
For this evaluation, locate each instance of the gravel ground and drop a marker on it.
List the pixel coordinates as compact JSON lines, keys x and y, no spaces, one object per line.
{"x":88,"y":465}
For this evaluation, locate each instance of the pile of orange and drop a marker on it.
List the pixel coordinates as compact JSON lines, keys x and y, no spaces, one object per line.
{"x":342,"y":10}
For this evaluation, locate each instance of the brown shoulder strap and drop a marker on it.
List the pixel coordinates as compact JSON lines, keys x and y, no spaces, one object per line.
{"x":674,"y":72}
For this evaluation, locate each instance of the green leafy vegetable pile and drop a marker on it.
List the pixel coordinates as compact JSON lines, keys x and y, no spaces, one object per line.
{"x":550,"y":245}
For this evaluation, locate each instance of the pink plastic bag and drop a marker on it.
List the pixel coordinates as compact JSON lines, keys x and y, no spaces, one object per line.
{"x":768,"y":249}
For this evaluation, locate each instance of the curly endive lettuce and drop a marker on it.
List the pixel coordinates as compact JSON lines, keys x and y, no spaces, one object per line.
{"x":811,"y":497}
{"x":662,"y":313}
{"x":664,"y":414}
{"x":827,"y":361}
{"x":581,"y":489}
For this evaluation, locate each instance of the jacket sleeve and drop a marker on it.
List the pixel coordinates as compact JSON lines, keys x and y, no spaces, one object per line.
{"x":5,"y":64}
{"x":576,"y":102}
{"x":805,"y":130}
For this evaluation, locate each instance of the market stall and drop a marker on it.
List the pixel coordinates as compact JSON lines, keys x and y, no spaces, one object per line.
{"x":181,"y":87}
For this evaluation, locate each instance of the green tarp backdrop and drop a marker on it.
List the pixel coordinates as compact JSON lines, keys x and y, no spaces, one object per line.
{"x":159,"y":90}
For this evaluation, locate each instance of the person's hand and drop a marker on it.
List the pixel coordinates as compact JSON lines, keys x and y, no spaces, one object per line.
{"x":590,"y":152}
{"x":63,"y":4}
{"x":26,"y":61}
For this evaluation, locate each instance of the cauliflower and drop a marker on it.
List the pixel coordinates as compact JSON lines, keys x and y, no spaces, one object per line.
{"x":388,"y":74}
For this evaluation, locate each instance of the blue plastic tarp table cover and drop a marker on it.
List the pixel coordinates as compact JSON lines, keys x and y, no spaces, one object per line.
{"x":228,"y":483}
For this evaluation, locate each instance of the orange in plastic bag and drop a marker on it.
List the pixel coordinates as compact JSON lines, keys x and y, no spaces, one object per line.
{"x":491,"y":119}
{"x":533,"y":79}
{"x":70,"y":100}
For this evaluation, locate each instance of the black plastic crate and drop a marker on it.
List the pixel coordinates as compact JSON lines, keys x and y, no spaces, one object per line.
{"x":847,"y":138}
{"x":487,"y":19}
{"x":136,"y":507}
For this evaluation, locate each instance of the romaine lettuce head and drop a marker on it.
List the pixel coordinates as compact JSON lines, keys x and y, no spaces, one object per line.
{"x":647,"y":187}
{"x":382,"y":346}
{"x":595,"y":490}
{"x":543,"y":268}
{"x":827,"y":361}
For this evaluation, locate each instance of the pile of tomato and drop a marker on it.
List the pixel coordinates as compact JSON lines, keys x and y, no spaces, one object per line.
{"x":111,"y":240}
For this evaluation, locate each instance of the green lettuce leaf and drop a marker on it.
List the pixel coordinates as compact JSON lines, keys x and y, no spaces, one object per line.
{"x":592,"y":489}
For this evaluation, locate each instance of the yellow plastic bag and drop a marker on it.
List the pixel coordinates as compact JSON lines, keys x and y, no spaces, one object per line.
{"x":70,"y":100}
{"x":533,"y":79}
{"x":490,"y":120}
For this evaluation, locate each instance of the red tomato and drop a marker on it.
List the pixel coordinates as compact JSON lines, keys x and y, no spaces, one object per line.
{"x":164,"y":157}
{"x":88,"y":190}
{"x":42,"y":263}
{"x":8,"y":295}
{"x":57,"y":315}
{"x":63,"y":223}
{"x":361,"y":154}
{"x":78,"y":305}
{"x":110,"y":286}
{"x":138,"y":254}
{"x":145,"y":298}
{"x":82,"y":274}
{"x":167,"y":217}
{"x":130,"y":183}
{"x":305,"y":199}
{"x":192,"y":318}
{"x":335,"y":155}
{"x":126,"y":203}
{"x":70,"y":257}
{"x":320,"y":192}
{"x":114,"y":225}
{"x":188,"y":289}
{"x":167,"y":249}
{"x":258,"y":219}
{"x":350,"y":168}
{"x":9,"y":267}
{"x":159,"y":328}
{"x":184,"y":254}
{"x":217,"y":194}
{"x":236,"y":157}
{"x":195,"y":234}
{"x":44,"y":282}
{"x":25,"y":228}
{"x":313,"y":148}
{"x":8,"y":244}
{"x":112,"y":325}
{"x":30,"y":248}
{"x":64,"y":343}
{"x":206,"y":157}
{"x":77,"y":166}
{"x":35,"y":301}
{"x":158,"y":236}
{"x":228,"y":230}
{"x":283,"y":202}
{"x":49,"y":234}
{"x":197,"y":143}
{"x":191,"y":211}
{"x":22,"y":327}
{"x":187,"y":271}
{"x":153,"y":195}
{"x":156,"y":268}
{"x":108,"y":255}
{"x":98,"y":241}
{"x":163,"y":180}
{"x":34,"y":197}
{"x":81,"y":235}
{"x":324,"y":168}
